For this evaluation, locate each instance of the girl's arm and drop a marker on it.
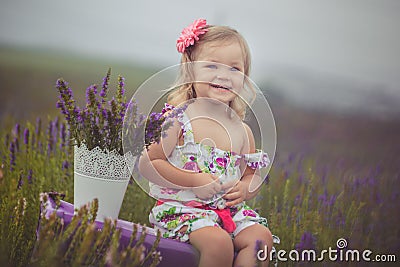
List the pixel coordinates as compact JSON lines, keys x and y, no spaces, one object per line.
{"x":250,"y":183}
{"x":154,"y":164}
{"x":251,"y":177}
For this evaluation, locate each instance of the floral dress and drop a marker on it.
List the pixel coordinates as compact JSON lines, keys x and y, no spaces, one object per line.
{"x":177,"y":208}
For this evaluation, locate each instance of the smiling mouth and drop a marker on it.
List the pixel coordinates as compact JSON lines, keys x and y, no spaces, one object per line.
{"x":218,"y":86}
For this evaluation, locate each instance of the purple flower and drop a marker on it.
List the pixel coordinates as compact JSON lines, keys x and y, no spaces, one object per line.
{"x":322,"y":198}
{"x":66,"y":103}
{"x":122,"y":113}
{"x":30,"y":173}
{"x":61,"y":105}
{"x":65,"y":165}
{"x":16,"y":142}
{"x":62,"y":135}
{"x":61,"y":82}
{"x":40,"y":146}
{"x":104,"y":113}
{"x":120,"y":97}
{"x":307,"y":241}
{"x":54,"y":132}
{"x":50,"y":138}
{"x":149,"y":135}
{"x":155,"y":116}
{"x":332,"y":200}
{"x":100,"y":123}
{"x":104,"y":86}
{"x":121,"y":84}
{"x":17,"y":129}
{"x":78,"y":114}
{"x":26,"y":136}
{"x":12,"y":156}
{"x":91,"y":92}
{"x":103,"y":93}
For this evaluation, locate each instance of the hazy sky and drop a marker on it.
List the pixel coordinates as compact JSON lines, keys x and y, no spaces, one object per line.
{"x":354,"y":39}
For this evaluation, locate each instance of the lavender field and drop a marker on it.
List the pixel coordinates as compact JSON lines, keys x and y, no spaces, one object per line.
{"x":334,"y":175}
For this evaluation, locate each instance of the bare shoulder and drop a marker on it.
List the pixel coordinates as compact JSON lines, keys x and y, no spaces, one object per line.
{"x":248,"y":130}
{"x":249,"y":143}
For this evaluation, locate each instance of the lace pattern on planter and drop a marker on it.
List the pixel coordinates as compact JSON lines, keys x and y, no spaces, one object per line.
{"x":98,"y":164}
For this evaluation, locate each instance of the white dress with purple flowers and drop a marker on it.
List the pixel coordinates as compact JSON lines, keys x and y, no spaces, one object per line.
{"x":178,"y":208}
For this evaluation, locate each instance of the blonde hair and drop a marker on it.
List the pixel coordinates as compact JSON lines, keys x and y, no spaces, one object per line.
{"x":184,"y":90}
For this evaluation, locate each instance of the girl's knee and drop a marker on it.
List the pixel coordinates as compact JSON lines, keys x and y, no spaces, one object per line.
{"x":212,"y":240}
{"x":221,"y":241}
{"x":256,"y":234}
{"x":265,"y":233}
{"x":215,"y":246}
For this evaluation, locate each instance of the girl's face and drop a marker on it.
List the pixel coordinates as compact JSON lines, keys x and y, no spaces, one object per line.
{"x":219,"y":70}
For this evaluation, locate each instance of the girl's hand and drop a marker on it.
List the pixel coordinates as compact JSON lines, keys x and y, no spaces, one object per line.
{"x":237,"y":194}
{"x":205,"y":185}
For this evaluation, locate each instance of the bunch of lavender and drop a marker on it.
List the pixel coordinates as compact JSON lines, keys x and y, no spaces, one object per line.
{"x":100,"y":123}
{"x":80,"y":243}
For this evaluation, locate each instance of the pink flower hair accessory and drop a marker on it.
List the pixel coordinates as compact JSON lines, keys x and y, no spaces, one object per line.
{"x":190,"y":34}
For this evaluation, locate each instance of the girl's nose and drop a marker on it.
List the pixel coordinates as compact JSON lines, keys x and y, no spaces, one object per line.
{"x":223,"y":74}
{"x":221,"y":77}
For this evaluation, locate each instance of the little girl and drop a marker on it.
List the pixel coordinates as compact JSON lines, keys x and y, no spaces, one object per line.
{"x":206,"y":166}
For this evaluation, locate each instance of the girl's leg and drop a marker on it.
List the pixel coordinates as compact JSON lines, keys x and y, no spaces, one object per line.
{"x":215,"y":246}
{"x":245,"y":244}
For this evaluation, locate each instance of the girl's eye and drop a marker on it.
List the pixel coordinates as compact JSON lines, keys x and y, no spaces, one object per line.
{"x":211,"y":66}
{"x":235,"y":69}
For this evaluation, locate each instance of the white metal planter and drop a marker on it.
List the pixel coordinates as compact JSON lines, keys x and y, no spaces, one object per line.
{"x":101,"y":175}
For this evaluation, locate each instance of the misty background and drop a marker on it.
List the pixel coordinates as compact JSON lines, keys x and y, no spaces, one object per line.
{"x":340,"y":56}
